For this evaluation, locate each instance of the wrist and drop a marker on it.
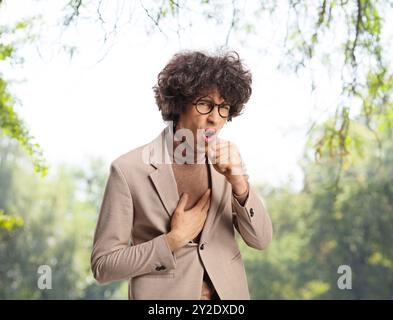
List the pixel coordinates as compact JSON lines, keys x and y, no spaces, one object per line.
{"x":240,"y":187}
{"x":173,"y":240}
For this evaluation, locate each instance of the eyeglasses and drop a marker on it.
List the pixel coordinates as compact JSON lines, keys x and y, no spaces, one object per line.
{"x":205,"y":106}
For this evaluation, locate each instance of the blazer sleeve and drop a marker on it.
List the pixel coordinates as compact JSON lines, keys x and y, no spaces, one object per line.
{"x":252,"y":221}
{"x":112,"y":257}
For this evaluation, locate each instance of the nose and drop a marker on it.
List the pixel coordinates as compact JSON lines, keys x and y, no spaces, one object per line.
{"x":214,"y":115}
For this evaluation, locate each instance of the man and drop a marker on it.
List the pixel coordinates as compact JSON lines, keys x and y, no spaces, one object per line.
{"x":170,"y":208}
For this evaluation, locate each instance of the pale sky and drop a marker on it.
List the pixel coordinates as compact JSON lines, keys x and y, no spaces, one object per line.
{"x":82,"y":108}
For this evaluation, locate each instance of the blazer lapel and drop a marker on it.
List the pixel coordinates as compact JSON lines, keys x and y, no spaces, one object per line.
{"x":166,"y":187}
{"x":217,"y":195}
{"x":163,"y":177}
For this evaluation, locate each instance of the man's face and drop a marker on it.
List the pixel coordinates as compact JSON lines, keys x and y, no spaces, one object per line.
{"x":210,"y":123}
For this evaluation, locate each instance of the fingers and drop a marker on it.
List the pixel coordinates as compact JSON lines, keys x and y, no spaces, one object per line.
{"x":213,"y":146}
{"x":219,"y":145}
{"x":202,"y":200}
{"x":182,"y":202}
{"x":225,"y":152}
{"x":205,"y":208}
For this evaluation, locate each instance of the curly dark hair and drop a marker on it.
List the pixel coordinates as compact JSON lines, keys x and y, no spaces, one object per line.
{"x":190,"y":74}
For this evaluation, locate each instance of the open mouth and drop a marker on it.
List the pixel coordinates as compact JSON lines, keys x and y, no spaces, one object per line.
{"x":209,"y":134}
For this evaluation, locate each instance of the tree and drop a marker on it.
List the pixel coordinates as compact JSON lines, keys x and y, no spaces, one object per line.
{"x":353,"y":225}
{"x":59,"y":215}
{"x":348,"y":37}
{"x":320,"y":228}
{"x":11,"y":124}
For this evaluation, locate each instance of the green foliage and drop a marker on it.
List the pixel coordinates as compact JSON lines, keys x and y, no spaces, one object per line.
{"x":5,"y":51}
{"x":354,"y":223}
{"x":59,"y":221}
{"x":327,"y":225}
{"x":8,"y":222}
{"x":11,"y":123}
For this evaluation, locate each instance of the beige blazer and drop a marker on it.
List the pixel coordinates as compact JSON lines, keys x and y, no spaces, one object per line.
{"x":129,"y":242}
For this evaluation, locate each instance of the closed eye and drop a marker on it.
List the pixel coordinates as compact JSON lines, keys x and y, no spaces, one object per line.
{"x":206,"y":101}
{"x":210,"y":102}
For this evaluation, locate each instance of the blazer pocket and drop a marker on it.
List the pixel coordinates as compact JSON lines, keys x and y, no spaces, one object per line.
{"x":159,"y":274}
{"x":237,"y":256}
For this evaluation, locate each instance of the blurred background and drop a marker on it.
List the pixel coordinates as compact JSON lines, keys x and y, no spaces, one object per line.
{"x":316,"y":135}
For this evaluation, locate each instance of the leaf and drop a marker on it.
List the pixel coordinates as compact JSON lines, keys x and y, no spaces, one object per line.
{"x":8,"y":222}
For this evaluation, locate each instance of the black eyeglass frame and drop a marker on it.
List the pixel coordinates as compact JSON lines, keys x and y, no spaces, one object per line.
{"x":224,"y":105}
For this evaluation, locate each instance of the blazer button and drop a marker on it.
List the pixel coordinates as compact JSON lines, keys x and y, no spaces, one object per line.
{"x":202,"y":246}
{"x":159,"y":268}
{"x":251,"y":212}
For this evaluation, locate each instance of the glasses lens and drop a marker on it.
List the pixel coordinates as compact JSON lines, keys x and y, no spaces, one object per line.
{"x":224,"y":111}
{"x":204,"y":106}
